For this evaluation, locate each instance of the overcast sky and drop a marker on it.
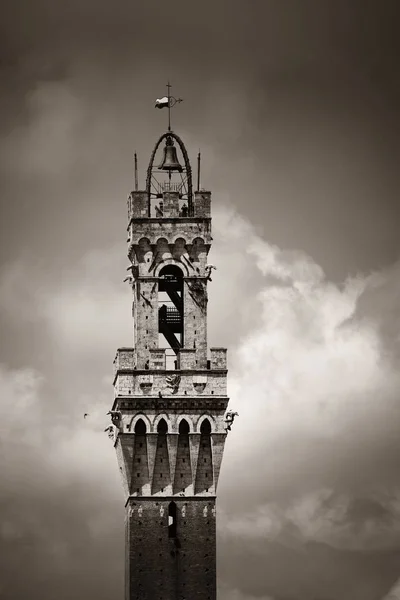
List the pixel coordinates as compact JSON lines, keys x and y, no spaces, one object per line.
{"x":295,"y":107}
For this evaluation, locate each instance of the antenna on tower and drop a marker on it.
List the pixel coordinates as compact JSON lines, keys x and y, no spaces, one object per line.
{"x":136,"y":174}
{"x":198,"y":171}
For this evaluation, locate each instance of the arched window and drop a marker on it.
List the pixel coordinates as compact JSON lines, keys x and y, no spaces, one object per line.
{"x":162,"y":427}
{"x":172,"y":520}
{"x":140,"y":472}
{"x":184,"y":427}
{"x":161,"y":474}
{"x":140,"y":427}
{"x":204,"y":473}
{"x":170,"y":308}
{"x":205,"y":427}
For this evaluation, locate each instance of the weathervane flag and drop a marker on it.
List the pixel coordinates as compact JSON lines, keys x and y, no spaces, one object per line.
{"x":163,"y":102}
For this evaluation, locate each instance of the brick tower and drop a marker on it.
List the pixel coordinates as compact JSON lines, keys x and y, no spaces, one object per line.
{"x":168,"y":423}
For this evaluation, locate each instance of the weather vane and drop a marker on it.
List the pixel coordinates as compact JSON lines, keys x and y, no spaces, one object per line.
{"x":167,"y":101}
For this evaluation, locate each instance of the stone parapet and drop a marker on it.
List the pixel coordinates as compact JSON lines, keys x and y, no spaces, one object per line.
{"x":130,"y":382}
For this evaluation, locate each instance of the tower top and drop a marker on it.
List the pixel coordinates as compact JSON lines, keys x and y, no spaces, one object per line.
{"x":168,"y":101}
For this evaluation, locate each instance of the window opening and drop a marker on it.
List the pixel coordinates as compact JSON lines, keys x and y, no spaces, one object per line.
{"x":172,"y":520}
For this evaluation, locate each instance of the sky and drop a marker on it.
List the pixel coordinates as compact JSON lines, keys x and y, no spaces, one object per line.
{"x":294,"y":105}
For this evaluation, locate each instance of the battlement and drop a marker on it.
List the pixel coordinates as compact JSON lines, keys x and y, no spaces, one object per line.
{"x":168,"y":204}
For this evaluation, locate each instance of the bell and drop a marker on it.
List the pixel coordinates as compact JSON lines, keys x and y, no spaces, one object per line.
{"x":170,"y":160}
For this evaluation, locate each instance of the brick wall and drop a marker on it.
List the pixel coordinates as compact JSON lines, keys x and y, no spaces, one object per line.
{"x":163,"y":568}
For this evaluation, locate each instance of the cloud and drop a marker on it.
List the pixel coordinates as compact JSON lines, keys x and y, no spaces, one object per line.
{"x":54,"y":499}
{"x":316,"y":385}
{"x":394,"y":593}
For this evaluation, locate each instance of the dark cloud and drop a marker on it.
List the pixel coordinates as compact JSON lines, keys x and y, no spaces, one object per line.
{"x":295,"y":108}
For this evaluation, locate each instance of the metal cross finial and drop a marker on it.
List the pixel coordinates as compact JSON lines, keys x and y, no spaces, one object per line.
{"x":169,"y":105}
{"x":171,"y":102}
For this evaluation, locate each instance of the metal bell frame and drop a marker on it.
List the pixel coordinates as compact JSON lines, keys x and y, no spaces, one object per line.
{"x":188,"y":170}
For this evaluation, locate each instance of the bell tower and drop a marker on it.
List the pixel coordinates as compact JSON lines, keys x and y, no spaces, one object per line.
{"x":168,"y":425}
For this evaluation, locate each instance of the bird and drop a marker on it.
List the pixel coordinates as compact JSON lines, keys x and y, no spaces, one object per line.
{"x":85,"y":415}
{"x":159,"y":394}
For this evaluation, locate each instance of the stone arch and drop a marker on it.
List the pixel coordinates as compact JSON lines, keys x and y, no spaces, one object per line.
{"x":204,"y":472}
{"x":158,"y":418}
{"x":144,"y":242}
{"x":184,"y":418}
{"x":163,"y":249}
{"x":135,"y":419}
{"x":144,"y":251}
{"x":202,"y":418}
{"x":179,"y":248}
{"x":184,"y":427}
{"x":198,"y":241}
{"x":162,"y":241}
{"x":162,"y":426}
{"x":170,"y":261}
{"x":205,"y":427}
{"x":172,"y":269}
{"x":199,"y":250}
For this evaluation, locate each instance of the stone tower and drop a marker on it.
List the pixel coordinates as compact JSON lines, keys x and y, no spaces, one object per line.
{"x":168,"y":423}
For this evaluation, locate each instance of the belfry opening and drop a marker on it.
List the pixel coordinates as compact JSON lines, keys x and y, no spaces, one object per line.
{"x":170,"y":311}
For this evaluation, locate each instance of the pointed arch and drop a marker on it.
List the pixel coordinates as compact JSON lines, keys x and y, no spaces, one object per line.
{"x":158,"y":418}
{"x":205,"y":427}
{"x":140,"y":427}
{"x":135,"y":418}
{"x":204,"y":472}
{"x":201,"y":419}
{"x":184,"y":428}
{"x":184,"y":418}
{"x":162,"y":426}
{"x":161,"y":480}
